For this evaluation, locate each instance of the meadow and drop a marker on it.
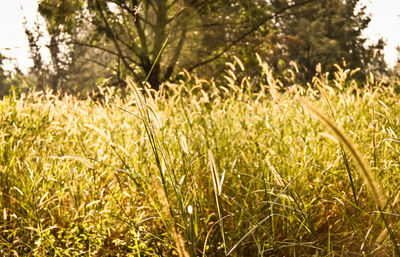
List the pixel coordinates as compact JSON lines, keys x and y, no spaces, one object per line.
{"x":242,"y":168}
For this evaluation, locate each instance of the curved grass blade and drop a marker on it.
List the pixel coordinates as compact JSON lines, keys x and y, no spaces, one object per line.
{"x":358,"y":158}
{"x":362,"y":167}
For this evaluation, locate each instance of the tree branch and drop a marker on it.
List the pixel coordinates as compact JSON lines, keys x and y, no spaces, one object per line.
{"x":177,"y":52}
{"x":103,"y":49}
{"x":142,"y":37}
{"x":195,"y":8}
{"x":124,"y":7}
{"x":116,"y":44}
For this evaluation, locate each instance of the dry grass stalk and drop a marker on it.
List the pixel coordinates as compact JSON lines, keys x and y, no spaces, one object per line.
{"x":179,"y":242}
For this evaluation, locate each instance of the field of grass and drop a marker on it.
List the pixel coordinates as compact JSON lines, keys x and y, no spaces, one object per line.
{"x":203,"y":169}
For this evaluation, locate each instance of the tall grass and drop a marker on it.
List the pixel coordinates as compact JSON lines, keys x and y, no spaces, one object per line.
{"x":202,"y":169}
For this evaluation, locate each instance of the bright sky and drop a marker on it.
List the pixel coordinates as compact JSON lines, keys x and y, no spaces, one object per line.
{"x":13,"y":43}
{"x":385,"y":22}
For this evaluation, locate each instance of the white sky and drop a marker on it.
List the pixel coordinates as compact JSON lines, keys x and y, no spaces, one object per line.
{"x":385,"y":22}
{"x":13,"y":43}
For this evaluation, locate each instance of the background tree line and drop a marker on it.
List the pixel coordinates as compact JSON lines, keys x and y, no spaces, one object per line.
{"x":92,"y":40}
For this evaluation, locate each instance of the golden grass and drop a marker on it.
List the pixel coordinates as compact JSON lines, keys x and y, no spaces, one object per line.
{"x":155,"y":173}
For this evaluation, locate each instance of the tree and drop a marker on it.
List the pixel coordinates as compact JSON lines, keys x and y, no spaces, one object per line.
{"x":10,"y":80}
{"x":71,"y":68}
{"x":325,"y":32}
{"x":4,"y":87}
{"x":39,"y":70}
{"x":189,"y":33}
